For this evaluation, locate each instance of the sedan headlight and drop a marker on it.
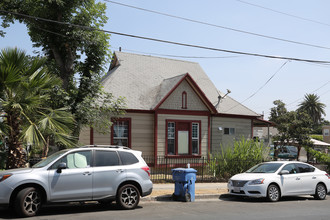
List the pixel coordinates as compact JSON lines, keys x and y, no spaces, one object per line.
{"x":5,"y":176}
{"x":257,"y":181}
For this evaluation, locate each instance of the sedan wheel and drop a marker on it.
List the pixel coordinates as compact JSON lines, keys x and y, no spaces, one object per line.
{"x":273,"y":193}
{"x":128,"y":197}
{"x":28,"y":202}
{"x":320,"y":192}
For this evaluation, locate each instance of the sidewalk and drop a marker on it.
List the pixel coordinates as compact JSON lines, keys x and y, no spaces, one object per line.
{"x":163,"y":192}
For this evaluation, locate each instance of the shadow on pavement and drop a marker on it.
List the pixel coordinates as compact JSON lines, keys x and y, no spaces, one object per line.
{"x":67,"y":208}
{"x":232,"y":198}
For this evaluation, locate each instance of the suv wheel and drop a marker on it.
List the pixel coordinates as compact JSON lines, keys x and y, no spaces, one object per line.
{"x":128,"y":197}
{"x":28,"y":202}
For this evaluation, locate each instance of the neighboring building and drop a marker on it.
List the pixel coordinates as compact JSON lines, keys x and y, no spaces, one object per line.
{"x":264,"y":131}
{"x":326,"y":133}
{"x":173,"y":109}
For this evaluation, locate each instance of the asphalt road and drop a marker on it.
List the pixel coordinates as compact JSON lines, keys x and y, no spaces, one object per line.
{"x":223,"y":208}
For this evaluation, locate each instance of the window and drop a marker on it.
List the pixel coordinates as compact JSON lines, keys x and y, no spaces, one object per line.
{"x":229,"y":131}
{"x":195,"y":138}
{"x":291,"y":168}
{"x":184,"y":100}
{"x":170,"y":138}
{"x":120,"y":133}
{"x":183,"y":138}
{"x":326,"y":132}
{"x":106,"y":158}
{"x":127,"y":158}
{"x":81,"y":159}
{"x":304,"y":168}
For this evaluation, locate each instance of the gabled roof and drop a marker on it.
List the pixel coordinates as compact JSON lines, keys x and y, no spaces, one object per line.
{"x":145,"y":80}
{"x":169,"y":85}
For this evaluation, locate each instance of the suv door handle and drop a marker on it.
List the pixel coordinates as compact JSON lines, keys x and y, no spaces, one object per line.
{"x":87,"y":173}
{"x":120,"y":171}
{"x":314,"y":177}
{"x":298,"y":178}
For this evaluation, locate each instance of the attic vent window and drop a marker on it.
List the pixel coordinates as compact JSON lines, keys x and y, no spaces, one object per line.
{"x":184,"y":100}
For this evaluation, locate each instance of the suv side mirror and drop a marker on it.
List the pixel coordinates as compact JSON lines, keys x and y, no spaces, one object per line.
{"x":60,"y":167}
{"x":284,"y":172}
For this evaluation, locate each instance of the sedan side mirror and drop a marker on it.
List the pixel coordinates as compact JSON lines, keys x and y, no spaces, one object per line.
{"x":284,"y":172}
{"x":60,"y":167}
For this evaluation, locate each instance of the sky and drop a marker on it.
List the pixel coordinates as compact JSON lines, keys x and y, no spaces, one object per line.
{"x":234,"y":25}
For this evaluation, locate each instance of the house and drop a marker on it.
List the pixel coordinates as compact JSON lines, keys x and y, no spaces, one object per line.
{"x":173,"y":109}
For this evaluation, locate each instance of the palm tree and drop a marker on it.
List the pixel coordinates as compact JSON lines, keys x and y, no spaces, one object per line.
{"x":312,"y":106}
{"x":25,"y":84}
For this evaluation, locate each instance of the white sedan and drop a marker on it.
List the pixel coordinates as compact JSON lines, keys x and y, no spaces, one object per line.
{"x":281,"y":178}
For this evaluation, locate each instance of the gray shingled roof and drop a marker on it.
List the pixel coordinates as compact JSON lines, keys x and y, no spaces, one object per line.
{"x":145,"y":80}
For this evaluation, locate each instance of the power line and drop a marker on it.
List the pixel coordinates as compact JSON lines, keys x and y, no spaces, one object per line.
{"x":178,"y":56}
{"x":311,"y":92}
{"x":260,"y":87}
{"x":219,"y":26}
{"x":166,"y":41}
{"x":283,"y":13}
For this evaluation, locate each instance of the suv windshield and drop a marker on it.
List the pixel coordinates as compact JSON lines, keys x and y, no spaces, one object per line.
{"x":49,"y":159}
{"x":265,"y":168}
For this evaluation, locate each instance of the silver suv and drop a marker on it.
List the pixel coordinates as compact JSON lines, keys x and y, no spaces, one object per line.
{"x":90,"y":173}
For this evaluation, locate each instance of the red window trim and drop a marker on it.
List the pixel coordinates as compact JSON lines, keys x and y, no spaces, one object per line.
{"x":190,"y":155}
{"x":129,"y":129}
{"x":184,"y":100}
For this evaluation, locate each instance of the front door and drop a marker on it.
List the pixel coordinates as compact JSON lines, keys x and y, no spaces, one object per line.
{"x":76,"y":181}
{"x":183,"y":137}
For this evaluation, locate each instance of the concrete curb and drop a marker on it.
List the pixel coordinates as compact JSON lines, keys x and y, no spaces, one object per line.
{"x":167,"y":198}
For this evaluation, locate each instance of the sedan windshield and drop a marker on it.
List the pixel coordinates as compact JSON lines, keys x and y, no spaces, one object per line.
{"x":265,"y":168}
{"x":49,"y":159}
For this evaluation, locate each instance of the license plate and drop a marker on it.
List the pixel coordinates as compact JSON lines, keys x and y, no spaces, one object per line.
{"x":237,"y":189}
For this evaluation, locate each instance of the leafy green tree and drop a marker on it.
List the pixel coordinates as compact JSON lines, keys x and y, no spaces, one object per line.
{"x":294,"y":127}
{"x":312,"y":106}
{"x":278,"y":111}
{"x":76,"y":55}
{"x":25,"y":84}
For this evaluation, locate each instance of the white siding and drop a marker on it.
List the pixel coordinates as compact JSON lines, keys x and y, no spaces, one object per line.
{"x":102,"y":139}
{"x":84,"y":137}
{"x":162,"y":132}
{"x":174,"y":101}
{"x":142,"y":132}
{"x":242,"y":129}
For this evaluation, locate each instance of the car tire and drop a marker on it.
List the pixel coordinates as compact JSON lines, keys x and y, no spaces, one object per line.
{"x":128,"y":197}
{"x":320,"y":192}
{"x":28,"y":202}
{"x":273,"y":193}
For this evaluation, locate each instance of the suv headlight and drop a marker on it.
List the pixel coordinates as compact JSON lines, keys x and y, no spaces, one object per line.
{"x":230,"y":183}
{"x":5,"y":176}
{"x":257,"y":181}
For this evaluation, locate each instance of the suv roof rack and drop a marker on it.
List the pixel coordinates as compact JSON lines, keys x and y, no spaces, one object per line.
{"x":107,"y":146}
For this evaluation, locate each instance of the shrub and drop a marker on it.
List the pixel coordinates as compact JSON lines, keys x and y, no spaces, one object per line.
{"x":239,"y":157}
{"x":320,"y":157}
{"x":317,"y":137}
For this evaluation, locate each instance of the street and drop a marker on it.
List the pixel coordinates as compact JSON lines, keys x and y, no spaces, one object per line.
{"x":223,"y":208}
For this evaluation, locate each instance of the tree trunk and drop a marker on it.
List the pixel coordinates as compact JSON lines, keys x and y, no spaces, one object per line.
{"x":298,"y":152}
{"x":46,"y":148}
{"x":16,"y":153}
